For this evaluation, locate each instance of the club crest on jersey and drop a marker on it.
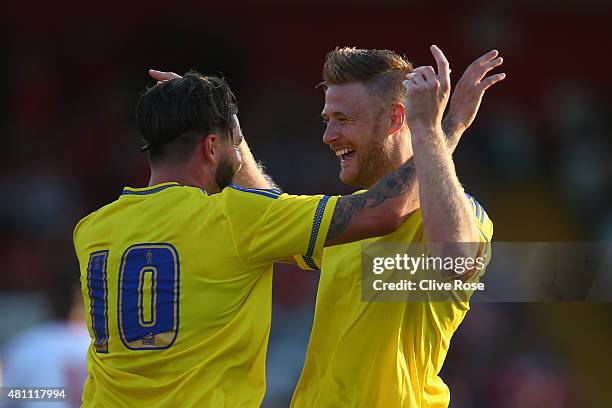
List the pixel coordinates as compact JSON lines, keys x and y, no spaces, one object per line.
{"x":148,"y":340}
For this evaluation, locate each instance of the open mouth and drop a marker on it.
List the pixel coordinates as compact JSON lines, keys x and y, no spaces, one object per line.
{"x":345,"y":154}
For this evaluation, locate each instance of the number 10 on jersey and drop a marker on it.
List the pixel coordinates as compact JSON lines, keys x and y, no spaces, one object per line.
{"x":147,"y":297}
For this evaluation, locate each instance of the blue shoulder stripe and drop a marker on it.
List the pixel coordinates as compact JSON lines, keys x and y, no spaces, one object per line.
{"x":480,"y":212}
{"x":267,"y":190}
{"x":316,"y":224}
{"x":271,"y":193}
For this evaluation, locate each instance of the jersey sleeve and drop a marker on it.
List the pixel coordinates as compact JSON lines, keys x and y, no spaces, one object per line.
{"x":316,"y":260}
{"x":484,"y":223}
{"x":279,"y":225}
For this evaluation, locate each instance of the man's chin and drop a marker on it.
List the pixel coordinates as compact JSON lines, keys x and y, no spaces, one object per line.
{"x":350,"y":178}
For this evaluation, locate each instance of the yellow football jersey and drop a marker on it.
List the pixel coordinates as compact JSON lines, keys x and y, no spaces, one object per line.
{"x":374,"y":354}
{"x":177,"y":286}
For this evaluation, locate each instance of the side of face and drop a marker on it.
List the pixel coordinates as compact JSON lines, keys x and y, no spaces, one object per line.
{"x":357,"y":132}
{"x":224,"y":153}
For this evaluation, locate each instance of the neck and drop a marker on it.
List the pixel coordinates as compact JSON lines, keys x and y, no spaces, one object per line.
{"x":394,"y":155}
{"x":182,"y":175}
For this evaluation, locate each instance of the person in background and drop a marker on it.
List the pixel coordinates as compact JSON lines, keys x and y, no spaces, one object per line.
{"x":51,"y":354}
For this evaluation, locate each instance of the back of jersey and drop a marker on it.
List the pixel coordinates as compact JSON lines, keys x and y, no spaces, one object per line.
{"x":177,"y":306}
{"x":152,"y":264}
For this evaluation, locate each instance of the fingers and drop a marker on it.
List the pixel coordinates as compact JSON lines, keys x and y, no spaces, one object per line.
{"x":421,"y":76}
{"x":478,"y":69}
{"x":493,"y":63}
{"x":415,"y":78}
{"x":493,"y":79}
{"x":443,"y":67}
{"x":159,"y":75}
{"x":486,"y":67}
{"x":486,"y":57}
{"x":162,"y":75}
{"x":427,"y":72}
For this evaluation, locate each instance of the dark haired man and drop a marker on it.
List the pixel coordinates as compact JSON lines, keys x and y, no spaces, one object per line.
{"x":176,"y":277}
{"x":368,"y":354}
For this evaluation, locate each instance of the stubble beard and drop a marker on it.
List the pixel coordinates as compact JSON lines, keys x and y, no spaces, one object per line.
{"x":374,"y":160}
{"x":224,"y":174}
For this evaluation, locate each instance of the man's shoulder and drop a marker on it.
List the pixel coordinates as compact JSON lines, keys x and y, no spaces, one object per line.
{"x":478,"y":208}
{"x":485,"y":224}
{"x":254,"y":193}
{"x":89,"y":218}
{"x":160,"y":195}
{"x":244,"y":204}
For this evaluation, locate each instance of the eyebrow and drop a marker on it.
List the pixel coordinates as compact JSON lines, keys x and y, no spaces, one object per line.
{"x":338,"y":113}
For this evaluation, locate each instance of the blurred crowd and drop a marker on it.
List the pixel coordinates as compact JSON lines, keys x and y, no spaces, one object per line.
{"x":537,"y":158}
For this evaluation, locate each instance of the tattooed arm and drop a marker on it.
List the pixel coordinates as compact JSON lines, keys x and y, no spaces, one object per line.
{"x":379,"y":211}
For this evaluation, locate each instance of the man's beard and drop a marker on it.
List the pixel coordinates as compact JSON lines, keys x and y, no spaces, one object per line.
{"x":374,"y":160}
{"x":224,"y":175}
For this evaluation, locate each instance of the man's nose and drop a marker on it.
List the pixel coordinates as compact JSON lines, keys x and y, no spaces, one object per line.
{"x":330,"y":135}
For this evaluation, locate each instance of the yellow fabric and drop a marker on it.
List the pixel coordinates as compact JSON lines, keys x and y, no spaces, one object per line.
{"x":218,"y":250}
{"x":368,"y":354}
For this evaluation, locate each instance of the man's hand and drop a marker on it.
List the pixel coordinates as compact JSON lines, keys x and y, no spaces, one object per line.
{"x":427,"y":93}
{"x":468,"y":93}
{"x":162,"y":76}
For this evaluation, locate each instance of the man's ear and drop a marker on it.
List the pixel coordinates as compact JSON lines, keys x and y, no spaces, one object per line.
{"x":210,"y":148}
{"x":398,"y":114}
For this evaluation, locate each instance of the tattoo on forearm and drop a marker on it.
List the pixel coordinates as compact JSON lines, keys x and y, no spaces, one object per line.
{"x":401,"y":181}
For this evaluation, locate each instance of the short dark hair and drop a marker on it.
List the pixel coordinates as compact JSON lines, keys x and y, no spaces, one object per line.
{"x":382,"y":71}
{"x":172,"y":116}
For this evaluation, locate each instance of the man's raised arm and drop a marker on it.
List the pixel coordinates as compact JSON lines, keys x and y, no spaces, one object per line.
{"x":447,"y":215}
{"x":252,"y":173}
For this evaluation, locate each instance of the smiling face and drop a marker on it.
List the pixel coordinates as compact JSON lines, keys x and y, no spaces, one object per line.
{"x":357,"y":132}
{"x":364,"y":112}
